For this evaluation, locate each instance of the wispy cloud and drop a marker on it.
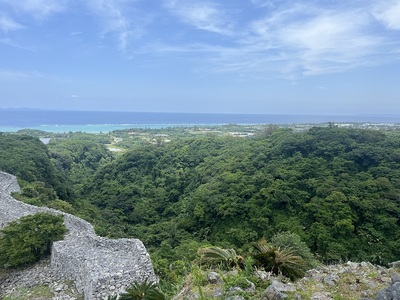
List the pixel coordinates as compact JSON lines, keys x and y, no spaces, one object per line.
{"x":388,"y":12}
{"x":115,"y":16}
{"x":301,"y":40}
{"x":202,"y":15}
{"x":267,"y":38}
{"x":325,"y":42}
{"x":38,"y":8}
{"x":8,"y":24}
{"x":262,"y":3}
{"x":121,"y":18}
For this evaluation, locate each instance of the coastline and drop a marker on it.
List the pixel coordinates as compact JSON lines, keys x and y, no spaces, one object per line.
{"x":106,"y":121}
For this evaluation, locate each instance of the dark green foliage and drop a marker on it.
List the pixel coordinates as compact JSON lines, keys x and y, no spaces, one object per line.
{"x":294,"y":242}
{"x":27,"y":158}
{"x":62,"y":206}
{"x":339,"y":189}
{"x":143,"y":291}
{"x":35,"y":193}
{"x":78,"y":158}
{"x":29,"y":239}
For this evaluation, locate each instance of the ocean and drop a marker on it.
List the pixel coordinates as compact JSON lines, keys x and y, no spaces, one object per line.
{"x":105,"y":121}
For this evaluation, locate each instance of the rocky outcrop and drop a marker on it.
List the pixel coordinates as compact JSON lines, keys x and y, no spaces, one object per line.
{"x":362,"y":281}
{"x":277,"y":290}
{"x":392,"y":292}
{"x":98,"y":266}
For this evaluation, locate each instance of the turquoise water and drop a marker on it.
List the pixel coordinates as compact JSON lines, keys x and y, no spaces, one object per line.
{"x":102,"y":121}
{"x":100,"y":128}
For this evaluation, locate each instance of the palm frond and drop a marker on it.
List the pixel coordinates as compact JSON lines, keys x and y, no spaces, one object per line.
{"x":279,"y":261}
{"x":218,"y":256}
{"x":142,"y":291}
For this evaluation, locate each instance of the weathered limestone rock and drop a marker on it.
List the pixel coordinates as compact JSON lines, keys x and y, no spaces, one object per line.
{"x":277,"y":289}
{"x":392,"y":292}
{"x":395,"y":278}
{"x":214,"y":278}
{"x":38,"y":274}
{"x":98,"y":266}
{"x":235,"y":297}
{"x":395,"y":264}
{"x":331,"y":279}
{"x":272,"y":293}
{"x":321,"y":296}
{"x":283,"y":287}
{"x":235,"y":290}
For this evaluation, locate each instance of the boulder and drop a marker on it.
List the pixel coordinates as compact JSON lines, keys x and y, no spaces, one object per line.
{"x":214,"y":278}
{"x":277,"y":289}
{"x":390,"y":293}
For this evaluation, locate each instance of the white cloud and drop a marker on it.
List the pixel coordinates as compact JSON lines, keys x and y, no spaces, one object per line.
{"x":388,"y":12}
{"x":300,"y":41}
{"x":329,"y":42}
{"x":7,"y":24}
{"x":262,"y":3}
{"x":38,"y":8}
{"x":121,"y":18}
{"x":321,"y":33}
{"x":117,"y":17}
{"x":293,"y":39}
{"x":202,"y":15}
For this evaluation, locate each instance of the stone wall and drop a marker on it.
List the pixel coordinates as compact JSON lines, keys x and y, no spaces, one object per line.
{"x":98,"y":266}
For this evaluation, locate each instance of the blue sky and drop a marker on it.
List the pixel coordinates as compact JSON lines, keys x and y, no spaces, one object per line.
{"x":237,"y":56}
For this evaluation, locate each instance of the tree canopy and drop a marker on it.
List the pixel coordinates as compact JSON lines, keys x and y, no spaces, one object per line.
{"x":338,"y":189}
{"x":30,"y":238}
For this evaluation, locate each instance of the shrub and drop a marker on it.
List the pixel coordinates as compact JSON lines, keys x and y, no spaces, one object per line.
{"x":278,"y":260}
{"x":30,"y":238}
{"x":300,"y":248}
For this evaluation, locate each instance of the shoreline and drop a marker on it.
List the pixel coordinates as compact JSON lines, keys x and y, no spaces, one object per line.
{"x":107,"y":128}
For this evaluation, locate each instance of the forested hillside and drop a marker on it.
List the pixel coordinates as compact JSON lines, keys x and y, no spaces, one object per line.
{"x":338,"y":189}
{"x":27,"y":158}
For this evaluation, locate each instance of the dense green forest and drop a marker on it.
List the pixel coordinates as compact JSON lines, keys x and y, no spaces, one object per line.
{"x":338,"y":189}
{"x":28,"y":159}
